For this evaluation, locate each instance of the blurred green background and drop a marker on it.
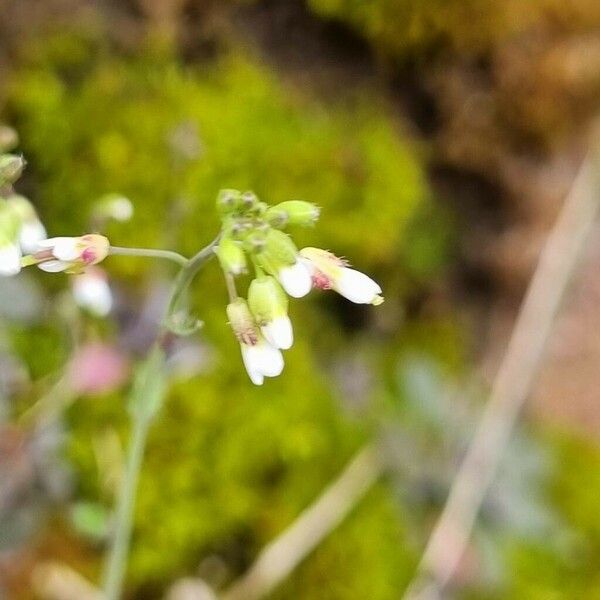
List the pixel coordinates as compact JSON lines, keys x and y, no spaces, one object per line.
{"x":427,"y":132}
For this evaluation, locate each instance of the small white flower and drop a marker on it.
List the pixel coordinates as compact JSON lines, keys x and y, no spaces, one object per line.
{"x":357,"y":287}
{"x":295,"y":279}
{"x":10,"y":259}
{"x":31,"y":233}
{"x":330,"y":272}
{"x":279,"y":332}
{"x":261,"y":360}
{"x":92,"y":292}
{"x":71,"y":254}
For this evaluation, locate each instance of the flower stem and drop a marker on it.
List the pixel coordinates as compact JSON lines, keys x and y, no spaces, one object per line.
{"x":183,"y":281}
{"x":147,"y":396}
{"x":117,"y":558}
{"x":150,"y":253}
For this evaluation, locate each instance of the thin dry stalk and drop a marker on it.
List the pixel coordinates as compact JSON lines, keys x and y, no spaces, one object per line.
{"x":512,"y":385}
{"x":283,"y":555}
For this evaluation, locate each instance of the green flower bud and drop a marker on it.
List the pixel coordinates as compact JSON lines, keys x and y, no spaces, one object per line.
{"x":228,"y":201}
{"x":266,"y":300}
{"x":293,"y":212}
{"x":11,"y":167}
{"x":231,"y":256}
{"x":255,"y":242}
{"x":242,"y":322}
{"x":249,"y":200}
{"x":8,"y":138}
{"x":280,"y":248}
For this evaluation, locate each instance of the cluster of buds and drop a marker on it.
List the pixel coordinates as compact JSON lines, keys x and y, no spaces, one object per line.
{"x":253,"y":234}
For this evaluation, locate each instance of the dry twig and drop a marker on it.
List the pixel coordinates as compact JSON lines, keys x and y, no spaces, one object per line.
{"x":511,"y":386}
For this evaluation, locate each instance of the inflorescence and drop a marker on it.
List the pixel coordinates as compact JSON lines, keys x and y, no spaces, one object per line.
{"x":252,"y":238}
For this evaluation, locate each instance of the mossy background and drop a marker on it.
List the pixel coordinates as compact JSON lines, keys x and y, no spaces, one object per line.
{"x":229,"y":466}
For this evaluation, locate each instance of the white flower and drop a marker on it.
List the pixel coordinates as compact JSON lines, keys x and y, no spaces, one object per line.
{"x":279,"y":332}
{"x":31,"y":233}
{"x":268,"y":305}
{"x":330,"y":272}
{"x":70,"y":254}
{"x":295,"y":279}
{"x":261,"y":360}
{"x":10,"y":259}
{"x":92,"y":292}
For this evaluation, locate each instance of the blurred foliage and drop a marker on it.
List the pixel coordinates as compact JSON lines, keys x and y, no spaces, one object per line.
{"x":403,"y":28}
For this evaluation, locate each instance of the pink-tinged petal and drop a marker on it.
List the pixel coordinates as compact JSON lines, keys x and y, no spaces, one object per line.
{"x":54,"y":266}
{"x":295,"y":280}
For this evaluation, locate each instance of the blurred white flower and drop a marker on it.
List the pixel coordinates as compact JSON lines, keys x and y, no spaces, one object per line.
{"x":70,"y":254}
{"x":92,"y":292}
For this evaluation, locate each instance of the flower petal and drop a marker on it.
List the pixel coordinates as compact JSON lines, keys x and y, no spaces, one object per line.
{"x":10,"y":259}
{"x":279,"y":332}
{"x":54,"y":266}
{"x":66,"y":248}
{"x":295,"y":280}
{"x":270,"y":362}
{"x":92,"y":292}
{"x":32,"y":232}
{"x":357,"y":287}
{"x":251,"y":358}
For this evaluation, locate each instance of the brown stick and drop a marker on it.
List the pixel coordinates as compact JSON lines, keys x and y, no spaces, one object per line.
{"x":511,"y":386}
{"x":282,"y":555}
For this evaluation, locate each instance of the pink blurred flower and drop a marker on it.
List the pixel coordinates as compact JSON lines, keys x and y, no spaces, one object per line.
{"x":98,"y":368}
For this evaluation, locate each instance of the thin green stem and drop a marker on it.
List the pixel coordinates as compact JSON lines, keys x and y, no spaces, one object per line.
{"x":146,"y":400}
{"x":186,"y":276}
{"x":117,"y":558}
{"x":150,"y":253}
{"x":231,"y":289}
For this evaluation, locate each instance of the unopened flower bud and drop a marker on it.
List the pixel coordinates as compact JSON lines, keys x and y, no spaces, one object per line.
{"x":330,"y":272}
{"x":268,"y":304}
{"x":71,"y":254}
{"x":242,"y":322}
{"x":231,"y":256}
{"x":11,"y":168}
{"x":228,"y":201}
{"x":293,"y":212}
{"x":8,"y":138}
{"x":280,"y":259}
{"x":255,"y":242}
{"x":249,"y":200}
